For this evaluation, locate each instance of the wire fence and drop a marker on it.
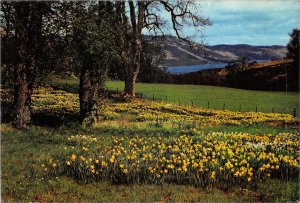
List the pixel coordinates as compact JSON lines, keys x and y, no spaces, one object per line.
{"x":215,"y":104}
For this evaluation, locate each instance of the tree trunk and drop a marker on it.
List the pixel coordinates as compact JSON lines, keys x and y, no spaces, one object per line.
{"x":131,"y":71}
{"x":28,"y":38}
{"x":130,"y":79}
{"x":22,"y":99}
{"x":90,"y":93}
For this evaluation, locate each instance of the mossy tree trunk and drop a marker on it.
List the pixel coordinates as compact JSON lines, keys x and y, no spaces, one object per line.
{"x":28,"y":30}
{"x":91,"y":92}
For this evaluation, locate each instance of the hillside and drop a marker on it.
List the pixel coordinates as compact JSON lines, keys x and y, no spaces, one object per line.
{"x":277,"y":75}
{"x":178,"y":53}
{"x":148,"y":151}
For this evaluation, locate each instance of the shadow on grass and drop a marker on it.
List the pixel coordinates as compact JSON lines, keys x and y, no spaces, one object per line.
{"x":42,"y":118}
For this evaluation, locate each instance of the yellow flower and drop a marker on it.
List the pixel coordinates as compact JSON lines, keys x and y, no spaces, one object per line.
{"x":54,"y":165}
{"x":125,"y":170}
{"x":171,"y":166}
{"x":68,"y":163}
{"x":249,"y":179}
{"x":73,"y":157}
{"x":104,"y":164}
{"x":112,"y":159}
{"x":213,"y":175}
{"x":194,"y":164}
{"x":121,"y":165}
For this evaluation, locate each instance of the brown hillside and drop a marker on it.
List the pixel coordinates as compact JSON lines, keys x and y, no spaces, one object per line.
{"x":276,"y":75}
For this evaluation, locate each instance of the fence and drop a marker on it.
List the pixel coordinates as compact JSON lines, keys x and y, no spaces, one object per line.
{"x":216,"y":104}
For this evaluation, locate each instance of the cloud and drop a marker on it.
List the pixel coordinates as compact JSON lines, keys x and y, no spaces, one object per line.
{"x":251,"y":21}
{"x":256,"y":22}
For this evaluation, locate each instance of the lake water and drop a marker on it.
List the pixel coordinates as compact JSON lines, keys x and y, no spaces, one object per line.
{"x":194,"y":68}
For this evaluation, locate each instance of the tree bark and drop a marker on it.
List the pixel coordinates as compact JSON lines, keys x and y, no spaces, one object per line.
{"x":28,"y":32}
{"x":22,"y":98}
{"x":22,"y":92}
{"x":91,"y":93}
{"x":133,"y":68}
{"x":130,"y":79}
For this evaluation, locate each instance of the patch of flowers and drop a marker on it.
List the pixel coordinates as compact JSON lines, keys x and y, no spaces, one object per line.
{"x":176,"y":114}
{"x":222,"y":159}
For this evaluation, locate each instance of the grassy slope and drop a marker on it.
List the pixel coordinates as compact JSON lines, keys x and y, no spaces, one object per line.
{"x":266,"y":101}
{"x":200,"y":94}
{"x":20,"y":182}
{"x":23,"y":151}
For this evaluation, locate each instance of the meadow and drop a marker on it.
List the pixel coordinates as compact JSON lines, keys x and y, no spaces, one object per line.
{"x":148,"y":151}
{"x":204,"y":96}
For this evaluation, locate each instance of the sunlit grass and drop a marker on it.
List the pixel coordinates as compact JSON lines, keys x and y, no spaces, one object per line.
{"x":24,"y":152}
{"x":201,"y":95}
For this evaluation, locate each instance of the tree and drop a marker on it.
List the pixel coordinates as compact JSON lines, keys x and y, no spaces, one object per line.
{"x":95,"y":45}
{"x":24,"y":27}
{"x":31,"y":38}
{"x":236,"y":66}
{"x":293,"y":53}
{"x":293,"y":45}
{"x":151,"y":57}
{"x":146,"y":15}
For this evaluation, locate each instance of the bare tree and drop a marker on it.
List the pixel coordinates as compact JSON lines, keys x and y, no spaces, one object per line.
{"x":148,"y":15}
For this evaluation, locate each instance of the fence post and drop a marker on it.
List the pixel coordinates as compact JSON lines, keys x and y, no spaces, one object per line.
{"x":224,"y":106}
{"x":208,"y":105}
{"x":192,"y":103}
{"x":153,"y":97}
{"x":256,"y":109}
{"x":141,"y":94}
{"x":294,"y":113}
{"x":272,"y":110}
{"x":117,"y":91}
{"x":166,"y":99}
{"x":240,"y":108}
{"x":179,"y":101}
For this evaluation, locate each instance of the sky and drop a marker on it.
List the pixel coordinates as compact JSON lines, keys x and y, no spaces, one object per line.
{"x":255,"y":22}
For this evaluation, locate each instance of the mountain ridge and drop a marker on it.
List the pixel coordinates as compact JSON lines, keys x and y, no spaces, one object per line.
{"x":179,"y":53}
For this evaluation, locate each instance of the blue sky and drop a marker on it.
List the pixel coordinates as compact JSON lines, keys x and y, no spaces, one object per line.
{"x":255,"y":22}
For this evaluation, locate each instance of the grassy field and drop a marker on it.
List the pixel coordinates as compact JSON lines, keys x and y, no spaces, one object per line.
{"x":23,"y":152}
{"x":201,"y":95}
{"x":217,"y":97}
{"x":36,"y":163}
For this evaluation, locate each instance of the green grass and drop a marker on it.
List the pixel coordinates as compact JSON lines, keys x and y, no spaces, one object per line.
{"x":201,"y":95}
{"x":253,"y":129}
{"x":281,"y":102}
{"x":23,"y":151}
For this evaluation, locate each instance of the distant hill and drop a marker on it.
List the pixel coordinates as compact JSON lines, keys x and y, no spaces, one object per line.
{"x":178,"y":53}
{"x":278,"y":75}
